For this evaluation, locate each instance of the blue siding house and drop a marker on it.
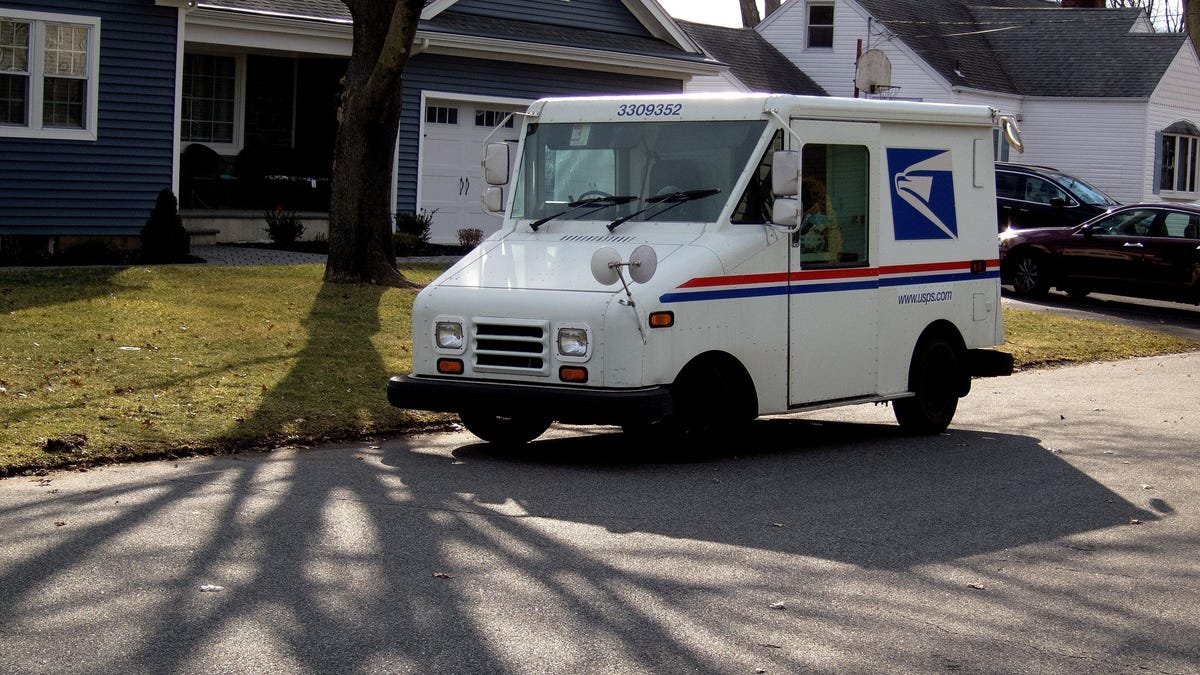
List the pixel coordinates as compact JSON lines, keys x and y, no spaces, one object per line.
{"x":233,"y":103}
{"x":87,"y":115}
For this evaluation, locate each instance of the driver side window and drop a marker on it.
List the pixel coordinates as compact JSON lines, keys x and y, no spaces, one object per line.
{"x":1136,"y":223}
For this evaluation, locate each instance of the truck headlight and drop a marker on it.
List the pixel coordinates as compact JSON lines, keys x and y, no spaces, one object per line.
{"x":448,"y":335}
{"x":573,"y":342}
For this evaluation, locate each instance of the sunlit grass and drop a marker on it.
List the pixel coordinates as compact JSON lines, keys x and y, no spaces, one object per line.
{"x":1040,"y":339}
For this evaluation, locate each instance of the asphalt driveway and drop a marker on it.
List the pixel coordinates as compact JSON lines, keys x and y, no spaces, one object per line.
{"x":1053,"y":529}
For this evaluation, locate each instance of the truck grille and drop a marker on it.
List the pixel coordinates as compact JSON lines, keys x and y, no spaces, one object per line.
{"x":511,"y":346}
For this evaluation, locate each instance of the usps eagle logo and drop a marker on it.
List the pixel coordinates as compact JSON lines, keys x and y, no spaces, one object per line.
{"x":922,"y":194}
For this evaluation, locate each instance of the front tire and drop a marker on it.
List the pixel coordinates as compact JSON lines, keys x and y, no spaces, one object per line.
{"x":1029,"y":275}
{"x":504,"y":430}
{"x":933,"y":379}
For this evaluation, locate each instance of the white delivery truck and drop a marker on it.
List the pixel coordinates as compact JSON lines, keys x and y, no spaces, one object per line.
{"x":693,"y":262}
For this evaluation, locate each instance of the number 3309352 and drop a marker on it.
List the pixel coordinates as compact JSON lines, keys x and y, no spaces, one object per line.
{"x":649,"y":109}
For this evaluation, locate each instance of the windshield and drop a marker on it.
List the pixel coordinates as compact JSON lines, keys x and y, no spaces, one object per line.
{"x":635,"y":162}
{"x":1084,"y":192}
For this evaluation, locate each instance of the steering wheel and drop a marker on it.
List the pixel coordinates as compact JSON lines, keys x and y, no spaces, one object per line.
{"x":591,"y":194}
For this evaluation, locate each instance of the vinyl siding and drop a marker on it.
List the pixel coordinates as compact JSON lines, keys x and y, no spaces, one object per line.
{"x":714,"y":84}
{"x":610,"y":16}
{"x":1177,"y":98}
{"x":1101,"y":142}
{"x":109,"y":185}
{"x":833,"y":68}
{"x":447,"y":74}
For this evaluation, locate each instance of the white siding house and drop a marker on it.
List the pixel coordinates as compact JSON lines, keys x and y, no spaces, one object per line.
{"x":1097,"y":92}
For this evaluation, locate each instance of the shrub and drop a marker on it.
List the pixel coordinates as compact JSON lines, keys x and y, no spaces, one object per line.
{"x":407,"y":243}
{"x":283,"y":227}
{"x":164,"y":238}
{"x":470,"y":237}
{"x":416,"y":224}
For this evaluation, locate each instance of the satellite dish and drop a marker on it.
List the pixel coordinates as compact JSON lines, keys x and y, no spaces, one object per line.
{"x":642,"y":264}
{"x":873,"y":73}
{"x":605,"y":265}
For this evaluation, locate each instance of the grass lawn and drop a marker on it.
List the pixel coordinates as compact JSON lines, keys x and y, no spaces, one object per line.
{"x":103,"y":364}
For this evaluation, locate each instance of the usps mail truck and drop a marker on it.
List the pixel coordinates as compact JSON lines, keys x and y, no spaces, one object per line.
{"x":693,"y":262}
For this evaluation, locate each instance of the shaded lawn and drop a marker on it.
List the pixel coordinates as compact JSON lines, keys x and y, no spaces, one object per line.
{"x":103,"y":364}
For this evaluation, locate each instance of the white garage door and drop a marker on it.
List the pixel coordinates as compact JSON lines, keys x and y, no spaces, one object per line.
{"x":451,"y":178}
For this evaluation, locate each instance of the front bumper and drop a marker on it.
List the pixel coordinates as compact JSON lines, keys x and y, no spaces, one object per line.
{"x":573,"y":405}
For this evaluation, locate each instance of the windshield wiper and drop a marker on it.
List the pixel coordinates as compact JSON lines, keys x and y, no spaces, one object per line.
{"x":598,"y":202}
{"x":672,"y":198}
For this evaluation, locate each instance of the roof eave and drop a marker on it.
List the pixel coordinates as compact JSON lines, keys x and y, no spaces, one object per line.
{"x":497,"y":49}
{"x":324,"y":35}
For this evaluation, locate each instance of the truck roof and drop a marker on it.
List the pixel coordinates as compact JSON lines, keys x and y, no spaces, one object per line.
{"x":734,"y":106}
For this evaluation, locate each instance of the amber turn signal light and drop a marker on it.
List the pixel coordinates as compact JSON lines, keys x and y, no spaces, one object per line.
{"x":450,"y":366}
{"x":572,"y":374}
{"x":662,"y":319}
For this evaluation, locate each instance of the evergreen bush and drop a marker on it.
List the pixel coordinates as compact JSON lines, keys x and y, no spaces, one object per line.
{"x":164,"y":238}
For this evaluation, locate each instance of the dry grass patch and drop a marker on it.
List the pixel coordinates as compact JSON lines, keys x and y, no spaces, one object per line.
{"x":1041,"y":339}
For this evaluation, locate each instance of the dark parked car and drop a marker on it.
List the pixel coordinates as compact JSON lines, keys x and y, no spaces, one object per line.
{"x":1141,"y":250}
{"x":1037,"y":196}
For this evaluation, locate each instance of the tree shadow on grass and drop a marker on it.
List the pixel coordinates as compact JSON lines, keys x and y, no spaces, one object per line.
{"x":320,"y":396}
{"x":24,"y":289}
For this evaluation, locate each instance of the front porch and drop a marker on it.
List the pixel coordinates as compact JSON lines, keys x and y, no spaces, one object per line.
{"x":216,"y":226}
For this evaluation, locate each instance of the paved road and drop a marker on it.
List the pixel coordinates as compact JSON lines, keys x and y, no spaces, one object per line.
{"x":1054,"y":529}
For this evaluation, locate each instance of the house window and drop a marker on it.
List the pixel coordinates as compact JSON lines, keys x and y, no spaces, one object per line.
{"x":435,"y":114}
{"x":209,"y":99}
{"x":820,"y":26}
{"x":48,"y":75}
{"x":1180,"y":159}
{"x":490,"y":118}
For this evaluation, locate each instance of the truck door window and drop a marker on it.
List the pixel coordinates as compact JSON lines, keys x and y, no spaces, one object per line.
{"x":834,"y":190}
{"x":757,"y":199}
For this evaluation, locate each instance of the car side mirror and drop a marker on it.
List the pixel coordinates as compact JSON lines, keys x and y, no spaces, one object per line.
{"x":786,"y":212}
{"x":1058,"y":202}
{"x":492,"y":200}
{"x":495,"y":164}
{"x":785,"y":173}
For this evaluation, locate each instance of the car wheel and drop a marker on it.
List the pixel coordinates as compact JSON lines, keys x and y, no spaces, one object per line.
{"x":504,"y":430}
{"x":933,"y":380}
{"x":1029,"y":275}
{"x":712,"y":403}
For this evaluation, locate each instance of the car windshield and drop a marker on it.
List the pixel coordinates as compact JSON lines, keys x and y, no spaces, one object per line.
{"x":565,"y":164}
{"x":1085,"y":192}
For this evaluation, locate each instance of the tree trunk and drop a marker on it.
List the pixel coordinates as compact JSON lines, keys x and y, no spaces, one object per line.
{"x":750,"y":16}
{"x":771,"y":6}
{"x":364,"y":155}
{"x":1191,"y":22}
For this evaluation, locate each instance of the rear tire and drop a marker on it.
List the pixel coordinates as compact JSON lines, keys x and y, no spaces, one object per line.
{"x":933,"y":378}
{"x":503,"y":430}
{"x":1029,"y":275}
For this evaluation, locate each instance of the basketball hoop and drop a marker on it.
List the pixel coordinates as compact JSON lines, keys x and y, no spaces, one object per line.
{"x":886,"y":92}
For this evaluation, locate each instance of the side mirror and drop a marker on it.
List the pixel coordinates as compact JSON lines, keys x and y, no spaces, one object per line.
{"x":1058,"y":202}
{"x":786,"y":212}
{"x":495,"y":163}
{"x":492,"y":200}
{"x":785,"y":173}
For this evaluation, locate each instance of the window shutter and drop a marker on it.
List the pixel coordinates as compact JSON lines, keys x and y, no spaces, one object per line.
{"x":1156,"y":172}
